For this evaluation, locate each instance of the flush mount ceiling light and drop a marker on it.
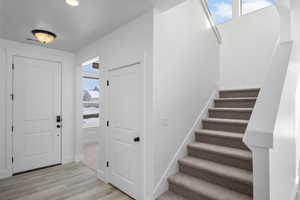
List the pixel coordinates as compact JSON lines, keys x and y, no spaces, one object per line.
{"x":72,"y":2}
{"x":43,"y":36}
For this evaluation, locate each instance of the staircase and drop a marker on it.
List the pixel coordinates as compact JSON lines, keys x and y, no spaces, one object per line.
{"x":218,"y":165}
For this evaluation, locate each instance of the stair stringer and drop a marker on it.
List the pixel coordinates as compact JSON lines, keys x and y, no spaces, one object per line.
{"x":162,"y":185}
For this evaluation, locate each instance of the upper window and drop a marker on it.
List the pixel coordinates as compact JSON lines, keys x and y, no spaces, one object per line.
{"x":91,"y":94}
{"x":253,"y":5}
{"x":91,"y":68}
{"x":221,"y":10}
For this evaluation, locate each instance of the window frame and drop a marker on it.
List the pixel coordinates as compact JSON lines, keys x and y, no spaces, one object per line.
{"x":90,"y":75}
{"x":257,"y":10}
{"x":237,"y":10}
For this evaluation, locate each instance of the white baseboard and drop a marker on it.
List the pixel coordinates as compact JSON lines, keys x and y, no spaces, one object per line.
{"x":172,"y":168}
{"x":79,"y":158}
{"x":4,"y":174}
{"x":67,"y":159}
{"x":296,"y":192}
{"x":101,"y":175}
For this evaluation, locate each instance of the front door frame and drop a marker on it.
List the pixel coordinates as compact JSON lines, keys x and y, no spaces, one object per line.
{"x":10,"y":54}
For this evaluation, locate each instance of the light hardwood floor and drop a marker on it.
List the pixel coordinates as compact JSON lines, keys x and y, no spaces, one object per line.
{"x":90,"y":155}
{"x":67,"y":182}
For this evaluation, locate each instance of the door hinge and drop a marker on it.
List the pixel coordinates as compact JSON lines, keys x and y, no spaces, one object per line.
{"x":12,"y":128}
{"x":107,"y":82}
{"x":12,"y":96}
{"x":12,"y":160}
{"x":13,"y":66}
{"x":107,"y":123}
{"x":107,"y":164}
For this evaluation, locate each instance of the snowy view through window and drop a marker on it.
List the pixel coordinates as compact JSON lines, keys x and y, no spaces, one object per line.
{"x":221,"y":10}
{"x":91,"y":95}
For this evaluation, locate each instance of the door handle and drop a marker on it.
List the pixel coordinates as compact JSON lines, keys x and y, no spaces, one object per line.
{"x":137,"y":139}
{"x":58,"y":126}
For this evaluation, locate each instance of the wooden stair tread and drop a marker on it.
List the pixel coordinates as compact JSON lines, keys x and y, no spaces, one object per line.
{"x":237,"y":99}
{"x":241,"y":90}
{"x":222,"y":170}
{"x":232,"y":109}
{"x":217,"y":149}
{"x":223,"y":134}
{"x":228,"y":121}
{"x":203,"y":188}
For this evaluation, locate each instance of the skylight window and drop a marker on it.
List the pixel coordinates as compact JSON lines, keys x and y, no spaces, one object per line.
{"x":249,"y":6}
{"x":221,"y":10}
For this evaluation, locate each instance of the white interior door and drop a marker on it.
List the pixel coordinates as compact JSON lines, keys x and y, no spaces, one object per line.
{"x":36,"y":105}
{"x":125,"y":127}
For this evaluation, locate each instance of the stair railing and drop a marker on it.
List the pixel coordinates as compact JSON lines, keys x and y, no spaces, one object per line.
{"x":262,"y":125}
{"x":271,"y":127}
{"x":211,"y":21}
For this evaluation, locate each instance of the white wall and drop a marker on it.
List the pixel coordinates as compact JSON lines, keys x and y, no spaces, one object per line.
{"x":186,"y":73}
{"x":247,"y":47}
{"x":90,"y":135}
{"x":2,"y":116}
{"x":1,"y":18}
{"x":296,"y":60}
{"x":283,"y":161}
{"x":128,"y":44}
{"x":269,"y":132}
{"x":285,"y":155}
{"x":279,"y":117}
{"x":68,"y":81}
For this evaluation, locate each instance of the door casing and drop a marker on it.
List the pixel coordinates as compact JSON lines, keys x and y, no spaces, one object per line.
{"x":103,"y":173}
{"x":140,"y":145}
{"x":59,"y":109}
{"x":10,"y":53}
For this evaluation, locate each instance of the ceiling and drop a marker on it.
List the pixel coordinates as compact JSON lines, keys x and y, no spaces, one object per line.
{"x":74,"y":26}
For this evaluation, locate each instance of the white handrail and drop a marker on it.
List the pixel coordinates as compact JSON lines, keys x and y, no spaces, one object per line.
{"x":210,"y":19}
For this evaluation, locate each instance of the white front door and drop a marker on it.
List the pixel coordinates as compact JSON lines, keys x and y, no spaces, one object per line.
{"x":125,"y":127}
{"x":36,"y":105}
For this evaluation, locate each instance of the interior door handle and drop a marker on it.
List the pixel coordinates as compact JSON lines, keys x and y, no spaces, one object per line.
{"x":58,"y":126}
{"x":137,"y":139}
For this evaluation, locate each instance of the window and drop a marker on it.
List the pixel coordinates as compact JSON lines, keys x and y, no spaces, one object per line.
{"x":225,"y":10}
{"x":253,"y":5}
{"x":221,"y":10}
{"x":91,"y":94}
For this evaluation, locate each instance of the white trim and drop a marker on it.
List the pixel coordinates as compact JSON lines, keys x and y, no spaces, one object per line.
{"x":79,"y":158}
{"x":10,"y":53}
{"x":101,"y":175}
{"x":142,"y":77}
{"x":11,"y":75}
{"x":258,"y":139}
{"x":67,"y":159}
{"x":90,"y":75}
{"x":96,"y":59}
{"x":296,"y":191}
{"x":93,"y":101}
{"x":79,"y":128}
{"x":162,"y":185}
{"x":4,"y":174}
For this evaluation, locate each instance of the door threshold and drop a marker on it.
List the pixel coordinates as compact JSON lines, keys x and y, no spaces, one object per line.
{"x":32,"y":170}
